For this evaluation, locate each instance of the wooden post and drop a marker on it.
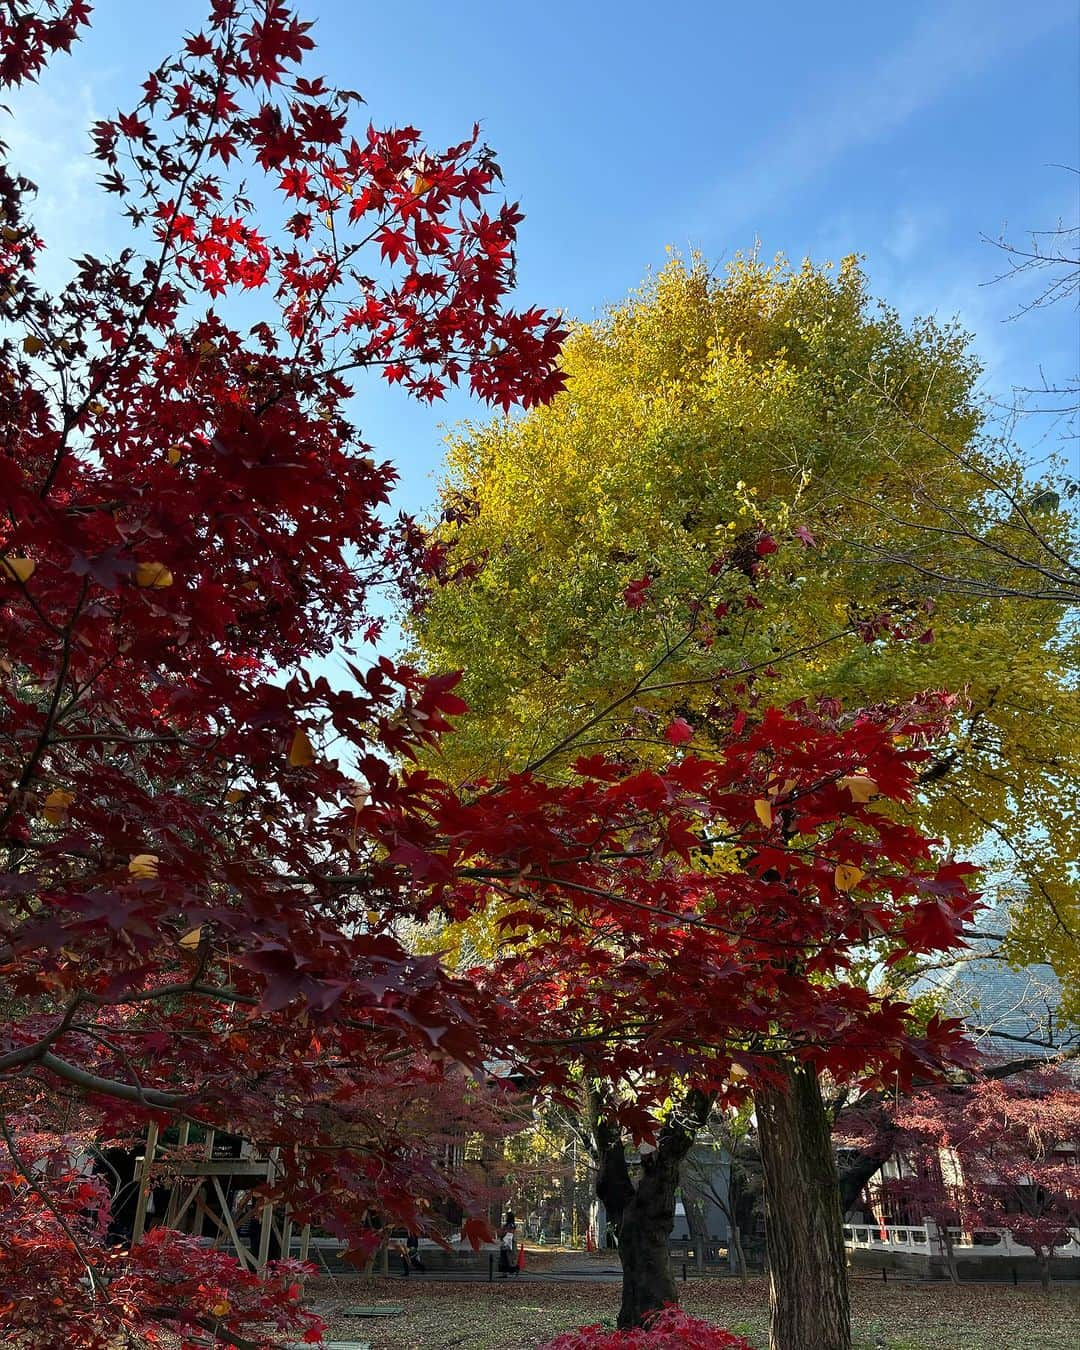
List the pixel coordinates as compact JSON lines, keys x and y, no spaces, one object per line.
{"x":267,"y":1217}
{"x":305,"y":1241}
{"x":144,"y":1183}
{"x":174,"y":1190}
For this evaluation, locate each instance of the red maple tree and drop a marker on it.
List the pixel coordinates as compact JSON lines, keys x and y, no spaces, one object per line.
{"x":210,"y":850}
{"x":996,"y":1153}
{"x":189,"y":517}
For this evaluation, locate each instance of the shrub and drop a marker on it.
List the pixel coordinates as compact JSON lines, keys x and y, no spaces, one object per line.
{"x":669,"y":1329}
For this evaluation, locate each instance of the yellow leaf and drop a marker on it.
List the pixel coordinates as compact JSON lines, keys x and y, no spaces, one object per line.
{"x":207,"y":349}
{"x":763,"y":811}
{"x":144,"y":866}
{"x":862,"y":789}
{"x":153,"y":576}
{"x":235,"y":795}
{"x":32,"y":345}
{"x":372,"y":917}
{"x":220,"y":1309}
{"x":174,"y":454}
{"x":300,"y":751}
{"x":420,"y":185}
{"x":18,"y":569}
{"x":56,"y":804}
{"x":847,"y":876}
{"x":191,"y":938}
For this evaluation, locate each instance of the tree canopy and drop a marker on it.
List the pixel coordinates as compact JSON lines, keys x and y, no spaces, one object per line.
{"x":838,"y":463}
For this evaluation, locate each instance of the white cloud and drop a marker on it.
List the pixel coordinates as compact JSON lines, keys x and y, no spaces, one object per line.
{"x":47,"y":141}
{"x":955,"y":42}
{"x":910,"y":232}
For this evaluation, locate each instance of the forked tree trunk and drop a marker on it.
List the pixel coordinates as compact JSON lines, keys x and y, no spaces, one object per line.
{"x":808,"y":1290}
{"x":695,"y":1206}
{"x":643,"y":1213}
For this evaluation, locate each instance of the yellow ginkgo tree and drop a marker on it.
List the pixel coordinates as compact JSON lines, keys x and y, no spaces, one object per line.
{"x":876,"y":540}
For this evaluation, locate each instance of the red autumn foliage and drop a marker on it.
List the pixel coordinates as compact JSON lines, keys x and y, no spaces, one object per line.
{"x":30,"y":34}
{"x":669,"y":1329}
{"x":50,"y":1295}
{"x":211,"y":851}
{"x":678,"y":731}
{"x":999,"y":1153}
{"x":704,"y":968}
{"x":636,"y":594}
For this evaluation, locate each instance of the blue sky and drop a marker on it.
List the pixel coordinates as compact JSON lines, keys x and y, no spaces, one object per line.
{"x":904,"y":132}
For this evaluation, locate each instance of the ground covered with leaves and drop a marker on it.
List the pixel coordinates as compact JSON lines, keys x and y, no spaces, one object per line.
{"x":441,"y":1316}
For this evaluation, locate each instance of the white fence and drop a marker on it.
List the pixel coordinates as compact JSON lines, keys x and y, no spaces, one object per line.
{"x":924,"y":1239}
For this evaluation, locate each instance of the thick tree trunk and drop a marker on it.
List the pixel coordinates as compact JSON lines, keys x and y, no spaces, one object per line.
{"x":804,"y":1231}
{"x":644,"y":1237}
{"x":642,"y":1214}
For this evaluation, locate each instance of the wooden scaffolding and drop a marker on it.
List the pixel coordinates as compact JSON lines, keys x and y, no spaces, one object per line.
{"x":204,"y":1190}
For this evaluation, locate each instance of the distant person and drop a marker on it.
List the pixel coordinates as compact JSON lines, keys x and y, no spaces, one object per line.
{"x":508,"y":1246}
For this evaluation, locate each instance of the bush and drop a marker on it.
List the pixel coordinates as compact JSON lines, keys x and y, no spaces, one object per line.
{"x":670,"y":1329}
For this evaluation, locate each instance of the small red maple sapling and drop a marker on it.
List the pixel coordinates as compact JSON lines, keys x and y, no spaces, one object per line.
{"x":669,"y":1329}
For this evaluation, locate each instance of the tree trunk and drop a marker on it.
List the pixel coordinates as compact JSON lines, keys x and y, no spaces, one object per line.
{"x":854,"y":1178}
{"x":643,"y":1214}
{"x":736,"y":1255}
{"x":949,"y":1254}
{"x":1042,"y":1260}
{"x":695,"y":1205}
{"x":808,"y":1290}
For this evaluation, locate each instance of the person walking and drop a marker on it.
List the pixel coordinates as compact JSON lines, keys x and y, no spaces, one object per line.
{"x":508,"y":1246}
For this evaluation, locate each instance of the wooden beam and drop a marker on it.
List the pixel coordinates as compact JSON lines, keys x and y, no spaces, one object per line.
{"x":183,"y":1209}
{"x":139,"y":1227}
{"x":243,"y":1254}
